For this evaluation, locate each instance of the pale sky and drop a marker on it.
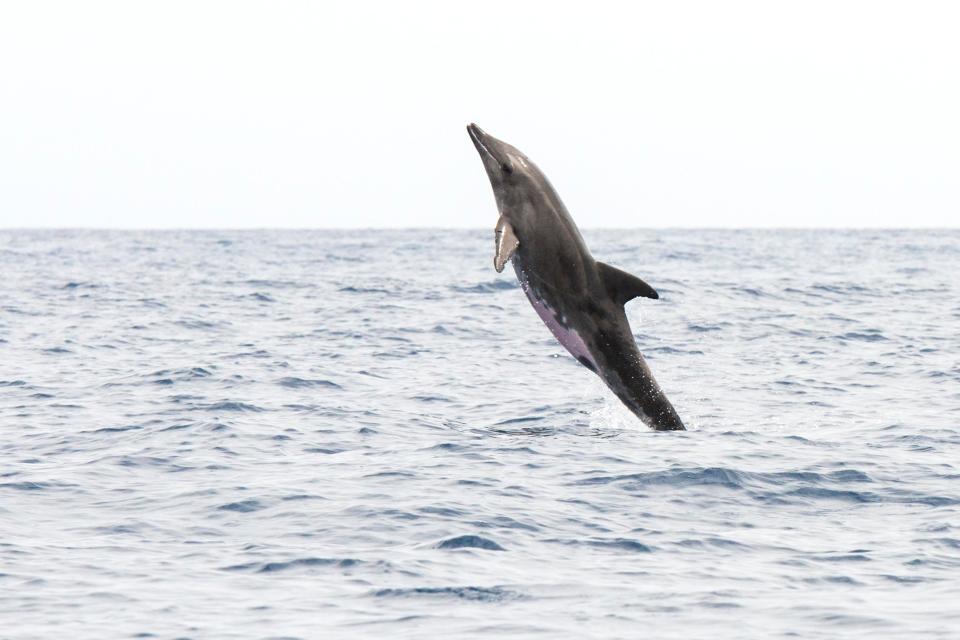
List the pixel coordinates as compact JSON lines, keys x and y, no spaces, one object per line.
{"x":238,"y":114}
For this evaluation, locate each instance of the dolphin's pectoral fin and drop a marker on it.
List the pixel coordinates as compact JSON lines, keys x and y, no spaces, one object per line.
{"x":622,"y":286}
{"x":506,"y":244}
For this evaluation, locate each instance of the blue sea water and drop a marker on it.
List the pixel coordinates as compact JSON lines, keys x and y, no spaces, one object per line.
{"x":370,"y":434}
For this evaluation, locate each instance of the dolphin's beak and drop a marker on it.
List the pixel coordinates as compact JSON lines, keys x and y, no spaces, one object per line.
{"x":479,"y":137}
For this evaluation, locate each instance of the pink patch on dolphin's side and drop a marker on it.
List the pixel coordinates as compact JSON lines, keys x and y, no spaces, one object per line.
{"x":569,"y":338}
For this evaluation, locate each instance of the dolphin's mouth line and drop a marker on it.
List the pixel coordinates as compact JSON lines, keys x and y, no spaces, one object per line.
{"x":477,"y":141}
{"x":483,"y":147}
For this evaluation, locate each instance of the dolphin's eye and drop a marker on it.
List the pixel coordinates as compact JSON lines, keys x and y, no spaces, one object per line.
{"x":505,"y":166}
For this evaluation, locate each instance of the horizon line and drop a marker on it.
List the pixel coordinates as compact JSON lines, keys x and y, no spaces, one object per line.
{"x":431,"y":228}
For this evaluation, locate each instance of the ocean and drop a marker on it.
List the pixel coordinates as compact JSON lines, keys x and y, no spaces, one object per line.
{"x":370,"y":434}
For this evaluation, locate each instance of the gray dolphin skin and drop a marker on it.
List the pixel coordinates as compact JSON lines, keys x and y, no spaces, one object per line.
{"x":578,"y":298}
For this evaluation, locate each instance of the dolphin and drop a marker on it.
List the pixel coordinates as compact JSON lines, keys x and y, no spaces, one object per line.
{"x":580,"y":299}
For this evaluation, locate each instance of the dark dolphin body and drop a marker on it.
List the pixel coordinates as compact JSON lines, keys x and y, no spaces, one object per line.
{"x":578,"y":298}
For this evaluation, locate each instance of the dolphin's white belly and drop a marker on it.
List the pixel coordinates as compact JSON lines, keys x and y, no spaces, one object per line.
{"x":566,"y":336}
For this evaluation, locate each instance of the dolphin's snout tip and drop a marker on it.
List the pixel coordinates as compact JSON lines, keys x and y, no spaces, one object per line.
{"x":474,"y":131}
{"x":477,"y":136}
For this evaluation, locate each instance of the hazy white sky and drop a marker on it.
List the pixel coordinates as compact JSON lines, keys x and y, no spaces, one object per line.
{"x":352,"y":114}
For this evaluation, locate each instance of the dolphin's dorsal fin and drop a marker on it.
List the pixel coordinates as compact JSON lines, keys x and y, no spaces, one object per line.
{"x":623,"y":287}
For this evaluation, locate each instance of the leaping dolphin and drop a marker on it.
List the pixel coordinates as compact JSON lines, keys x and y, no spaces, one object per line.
{"x":578,"y":298}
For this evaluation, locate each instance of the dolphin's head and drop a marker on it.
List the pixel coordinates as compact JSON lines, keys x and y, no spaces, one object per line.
{"x":511,"y":173}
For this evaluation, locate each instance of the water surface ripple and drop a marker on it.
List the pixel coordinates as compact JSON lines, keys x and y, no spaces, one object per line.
{"x":357,"y":434}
